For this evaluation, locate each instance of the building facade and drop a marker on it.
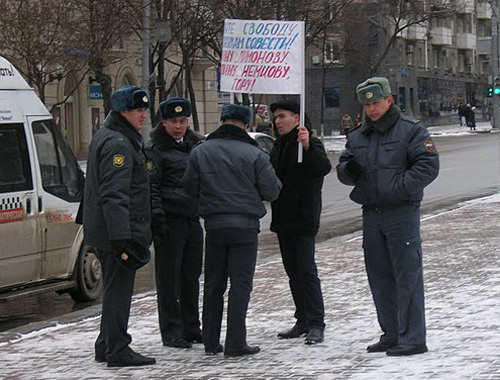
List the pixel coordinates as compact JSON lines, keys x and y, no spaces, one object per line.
{"x":433,"y":67}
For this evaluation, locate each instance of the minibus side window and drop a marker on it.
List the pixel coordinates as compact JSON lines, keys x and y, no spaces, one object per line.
{"x":15,"y":171}
{"x":61,"y":175}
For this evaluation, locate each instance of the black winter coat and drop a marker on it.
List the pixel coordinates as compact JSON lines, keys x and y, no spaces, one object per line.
{"x":117,"y":198}
{"x":298,"y":207}
{"x":168,"y":162}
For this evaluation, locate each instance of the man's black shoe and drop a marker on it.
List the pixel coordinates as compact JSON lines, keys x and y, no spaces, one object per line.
{"x":314,"y":336}
{"x":132,"y":359}
{"x":247,"y":350}
{"x":296,"y":331}
{"x":100,"y":358}
{"x":214,"y":351}
{"x":406,"y":350}
{"x":380,"y":346}
{"x":194,"y":338}
{"x":177,"y":343}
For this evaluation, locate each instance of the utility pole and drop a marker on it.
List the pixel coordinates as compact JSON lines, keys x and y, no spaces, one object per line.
{"x":145,"y":58}
{"x":494,"y":61}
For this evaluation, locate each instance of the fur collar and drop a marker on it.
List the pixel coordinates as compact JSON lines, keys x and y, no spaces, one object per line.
{"x":118,"y":123}
{"x":163,"y":140}
{"x":232,"y":132}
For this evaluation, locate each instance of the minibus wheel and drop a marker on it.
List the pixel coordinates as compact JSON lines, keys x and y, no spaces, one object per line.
{"x":88,"y":276}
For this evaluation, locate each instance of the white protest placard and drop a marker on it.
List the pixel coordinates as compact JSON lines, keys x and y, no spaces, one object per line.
{"x":262,"y":56}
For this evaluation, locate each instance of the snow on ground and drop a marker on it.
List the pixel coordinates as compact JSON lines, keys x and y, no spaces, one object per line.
{"x":461,"y":255}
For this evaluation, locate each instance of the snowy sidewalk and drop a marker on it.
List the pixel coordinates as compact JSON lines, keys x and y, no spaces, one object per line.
{"x":462,"y":275}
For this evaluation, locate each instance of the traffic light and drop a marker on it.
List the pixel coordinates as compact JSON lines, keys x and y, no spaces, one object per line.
{"x":496,"y":86}
{"x":490,"y":92}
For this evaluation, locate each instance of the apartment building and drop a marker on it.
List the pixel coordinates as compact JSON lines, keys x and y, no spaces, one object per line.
{"x":433,"y":66}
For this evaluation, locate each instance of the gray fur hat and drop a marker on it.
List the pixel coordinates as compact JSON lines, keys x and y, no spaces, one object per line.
{"x":373,"y":89}
{"x":236,"y":112}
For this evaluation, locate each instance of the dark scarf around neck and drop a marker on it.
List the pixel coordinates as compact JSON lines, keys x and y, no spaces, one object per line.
{"x":118,"y":123}
{"x":385,"y":123}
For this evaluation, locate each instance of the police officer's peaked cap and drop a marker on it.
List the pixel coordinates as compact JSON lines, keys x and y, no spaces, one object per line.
{"x":133,"y":256}
{"x":373,"y":89}
{"x":175,"y":107}
{"x":286,"y":105}
{"x":236,"y":112}
{"x":129,"y":98}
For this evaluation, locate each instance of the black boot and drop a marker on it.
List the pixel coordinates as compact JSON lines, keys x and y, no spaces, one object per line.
{"x":247,"y":350}
{"x":407,"y":350}
{"x":314,"y":336}
{"x":296,"y":331}
{"x":380,"y":346}
{"x":132,"y":359}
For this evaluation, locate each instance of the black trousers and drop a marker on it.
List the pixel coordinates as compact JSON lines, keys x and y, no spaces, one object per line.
{"x":297,"y":253}
{"x":178,"y":262}
{"x":113,"y":339}
{"x":230,"y":253}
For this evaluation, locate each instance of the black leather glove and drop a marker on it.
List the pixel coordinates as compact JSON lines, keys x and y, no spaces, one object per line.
{"x":118,"y":245}
{"x":160,"y":228}
{"x":353,"y":166}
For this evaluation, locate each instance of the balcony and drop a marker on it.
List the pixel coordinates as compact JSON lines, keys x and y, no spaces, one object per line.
{"x":416,"y":32}
{"x":483,"y":45}
{"x":441,"y":36}
{"x":465,"y":6}
{"x":466,"y":41}
{"x":484,"y":11}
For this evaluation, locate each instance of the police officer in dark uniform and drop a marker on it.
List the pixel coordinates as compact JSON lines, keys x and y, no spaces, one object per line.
{"x":232,"y":177}
{"x":117,"y":219}
{"x":178,"y":237}
{"x":390,"y":159}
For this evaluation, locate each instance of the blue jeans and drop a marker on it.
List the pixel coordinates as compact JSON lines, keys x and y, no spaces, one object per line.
{"x":393,"y":258}
{"x":297,"y":253}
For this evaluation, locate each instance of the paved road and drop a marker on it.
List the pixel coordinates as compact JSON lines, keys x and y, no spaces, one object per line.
{"x":461,"y":255}
{"x":469,"y":169}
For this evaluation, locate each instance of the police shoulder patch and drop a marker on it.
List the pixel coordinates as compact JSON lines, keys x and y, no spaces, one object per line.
{"x":429,"y":146}
{"x":149,"y":165}
{"x":118,"y":160}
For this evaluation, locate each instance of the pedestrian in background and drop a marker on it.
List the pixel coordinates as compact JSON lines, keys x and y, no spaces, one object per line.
{"x":345,"y":123}
{"x":296,"y":216}
{"x":232,"y":177}
{"x":462,"y":110}
{"x":471,"y":119}
{"x":390,"y":159}
{"x":117,"y":219}
{"x":178,"y":236}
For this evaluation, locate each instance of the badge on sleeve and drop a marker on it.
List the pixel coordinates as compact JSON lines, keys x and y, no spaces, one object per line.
{"x":429,"y":146}
{"x":149,"y":165}
{"x":118,"y":160}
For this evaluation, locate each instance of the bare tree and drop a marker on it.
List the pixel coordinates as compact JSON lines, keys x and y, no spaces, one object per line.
{"x":191,"y":22}
{"x":377,"y":25}
{"x":36,"y":38}
{"x":101,"y":28}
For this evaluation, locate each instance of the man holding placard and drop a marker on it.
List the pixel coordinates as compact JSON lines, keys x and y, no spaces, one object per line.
{"x":296,"y":215}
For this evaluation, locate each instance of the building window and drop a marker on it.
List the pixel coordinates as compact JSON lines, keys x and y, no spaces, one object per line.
{"x":328,"y":52}
{"x":332,"y":97}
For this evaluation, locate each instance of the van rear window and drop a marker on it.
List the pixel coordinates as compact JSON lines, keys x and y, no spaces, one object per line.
{"x":15,"y":171}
